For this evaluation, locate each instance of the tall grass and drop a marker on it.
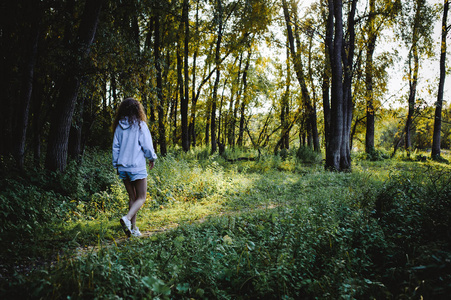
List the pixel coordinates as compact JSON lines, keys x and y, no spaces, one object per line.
{"x":276,"y":227}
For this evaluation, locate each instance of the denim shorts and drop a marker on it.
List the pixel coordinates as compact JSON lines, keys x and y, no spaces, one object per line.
{"x":132,"y":176}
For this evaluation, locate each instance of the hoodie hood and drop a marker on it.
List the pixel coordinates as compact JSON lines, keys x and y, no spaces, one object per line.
{"x":124,"y":123}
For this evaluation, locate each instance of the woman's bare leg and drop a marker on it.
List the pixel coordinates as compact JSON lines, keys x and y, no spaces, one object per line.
{"x":131,"y":197}
{"x":137,"y":191}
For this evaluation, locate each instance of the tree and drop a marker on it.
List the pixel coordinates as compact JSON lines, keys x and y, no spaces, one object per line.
{"x":348,"y":68}
{"x":379,"y":15}
{"x":418,"y":40}
{"x":371,"y":46}
{"x":56,"y":158}
{"x":338,"y":156}
{"x":159,"y":79}
{"x":185,"y":96}
{"x":192,"y":119}
{"x":32,"y":11}
{"x":438,"y":105}
{"x":299,"y":70}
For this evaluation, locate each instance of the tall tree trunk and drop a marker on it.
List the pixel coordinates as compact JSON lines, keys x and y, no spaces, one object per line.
{"x":285,"y":108}
{"x":220,"y":121}
{"x":243,"y":103}
{"x":208,"y":122}
{"x":27,"y":82}
{"x":160,"y":100}
{"x":439,"y":104}
{"x":173,"y":117}
{"x":234,"y":108}
{"x":180,"y":85}
{"x":219,"y":19}
{"x":7,"y":26}
{"x":56,"y":158}
{"x":75,"y":149}
{"x":348,"y":61}
{"x":184,"y":98}
{"x":369,"y":71}
{"x":328,"y":53}
{"x":37,"y":122}
{"x":315,"y":134}
{"x":333,"y":154}
{"x":412,"y":95}
{"x":297,"y":63}
{"x":192,"y":120}
{"x":413,"y":75}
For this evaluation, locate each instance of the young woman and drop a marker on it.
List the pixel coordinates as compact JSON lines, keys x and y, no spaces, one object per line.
{"x":132,"y":144}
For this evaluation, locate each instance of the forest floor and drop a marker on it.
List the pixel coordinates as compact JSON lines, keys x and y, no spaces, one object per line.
{"x":252,"y":205}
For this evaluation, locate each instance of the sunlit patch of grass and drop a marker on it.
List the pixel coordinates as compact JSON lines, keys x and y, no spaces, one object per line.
{"x":262,"y":228}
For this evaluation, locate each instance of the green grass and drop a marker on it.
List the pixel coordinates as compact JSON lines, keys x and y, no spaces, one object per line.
{"x":274,"y":228}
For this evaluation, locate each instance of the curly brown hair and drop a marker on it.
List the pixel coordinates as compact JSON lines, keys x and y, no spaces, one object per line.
{"x":131,"y":109}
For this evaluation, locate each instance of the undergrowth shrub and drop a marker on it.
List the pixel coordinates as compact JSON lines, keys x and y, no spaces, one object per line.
{"x":414,"y":208}
{"x":308,"y":155}
{"x":321,"y":247}
{"x":372,"y":155}
{"x":175,"y":179}
{"x":299,"y":233}
{"x":34,"y":203}
{"x":275,"y":254}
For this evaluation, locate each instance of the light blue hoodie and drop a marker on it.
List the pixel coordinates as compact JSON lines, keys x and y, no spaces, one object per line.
{"x":132,"y":144}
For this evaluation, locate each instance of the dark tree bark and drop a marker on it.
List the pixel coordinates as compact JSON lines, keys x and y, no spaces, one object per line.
{"x":75,"y":150}
{"x":297,"y":64}
{"x":181,"y":92}
{"x":333,"y":154}
{"x":414,"y":66}
{"x":285,"y":109}
{"x":243,"y":103}
{"x":184,"y":97}
{"x":160,"y":104}
{"x":37,"y":121}
{"x":341,"y":54}
{"x":411,"y":101}
{"x":328,"y":51}
{"x":348,"y":61}
{"x":235,"y":106}
{"x":219,"y":20}
{"x":371,"y":45}
{"x":32,"y":11}
{"x":439,"y":104}
{"x":192,"y":120}
{"x":173,"y":118}
{"x":56,"y":158}
{"x":9,"y":19}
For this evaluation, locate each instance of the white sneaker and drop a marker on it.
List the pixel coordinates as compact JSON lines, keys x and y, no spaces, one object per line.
{"x":126,"y":225}
{"x":136,"y":232}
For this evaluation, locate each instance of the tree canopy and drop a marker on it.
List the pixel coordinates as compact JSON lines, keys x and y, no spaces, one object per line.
{"x":224,"y":73}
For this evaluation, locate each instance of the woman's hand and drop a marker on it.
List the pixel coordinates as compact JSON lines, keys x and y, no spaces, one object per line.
{"x":151,"y":164}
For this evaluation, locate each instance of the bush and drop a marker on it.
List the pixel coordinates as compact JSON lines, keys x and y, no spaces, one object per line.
{"x":36,"y":203}
{"x":308,"y":155}
{"x":414,"y":208}
{"x":277,"y":235}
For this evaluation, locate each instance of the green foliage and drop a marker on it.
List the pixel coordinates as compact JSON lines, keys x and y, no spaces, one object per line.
{"x":308,"y":155}
{"x":266,"y":229}
{"x":35,"y":204}
{"x":414,"y":210}
{"x":373,"y":155}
